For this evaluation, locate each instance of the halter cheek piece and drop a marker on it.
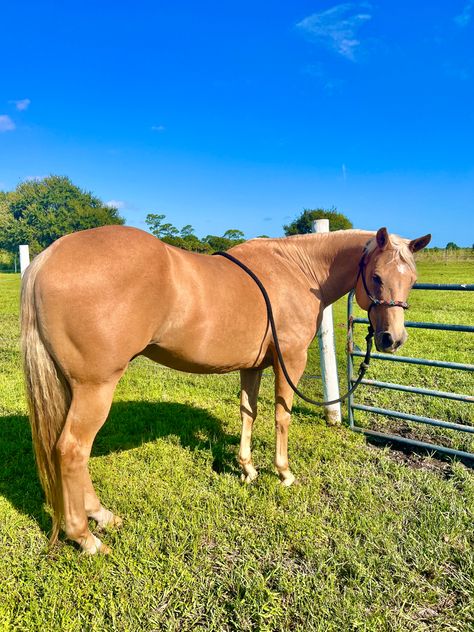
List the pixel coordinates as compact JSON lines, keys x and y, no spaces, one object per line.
{"x":376,"y":301}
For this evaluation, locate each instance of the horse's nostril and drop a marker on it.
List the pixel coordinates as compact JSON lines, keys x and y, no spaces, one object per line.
{"x":387,"y":340}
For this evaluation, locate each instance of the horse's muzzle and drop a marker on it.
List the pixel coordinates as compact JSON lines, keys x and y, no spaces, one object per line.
{"x":385,"y":342}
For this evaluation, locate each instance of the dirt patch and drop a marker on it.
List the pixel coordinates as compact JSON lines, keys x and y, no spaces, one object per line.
{"x":417,"y":459}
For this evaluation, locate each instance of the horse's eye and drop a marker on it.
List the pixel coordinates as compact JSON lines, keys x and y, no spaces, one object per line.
{"x":377,"y":279}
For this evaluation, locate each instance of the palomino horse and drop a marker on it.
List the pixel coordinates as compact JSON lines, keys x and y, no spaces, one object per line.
{"x":96,"y":299}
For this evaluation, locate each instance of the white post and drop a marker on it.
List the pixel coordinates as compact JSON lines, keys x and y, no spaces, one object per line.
{"x":327,"y":351}
{"x":24,"y":258}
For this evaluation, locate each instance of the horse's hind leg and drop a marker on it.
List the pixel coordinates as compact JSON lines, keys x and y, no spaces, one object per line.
{"x":89,"y":409}
{"x":249,"y":384}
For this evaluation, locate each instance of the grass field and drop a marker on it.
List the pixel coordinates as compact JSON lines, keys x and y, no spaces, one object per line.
{"x":371,"y":538}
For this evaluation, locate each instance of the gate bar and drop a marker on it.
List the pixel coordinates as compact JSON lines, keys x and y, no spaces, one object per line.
{"x":414,"y":389}
{"x":439,"y":363}
{"x":418,"y":325}
{"x":424,"y":420}
{"x":459,"y":287}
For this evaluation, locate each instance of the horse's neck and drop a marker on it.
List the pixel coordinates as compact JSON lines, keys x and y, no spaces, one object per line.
{"x":344,"y":252}
{"x":330,"y":259}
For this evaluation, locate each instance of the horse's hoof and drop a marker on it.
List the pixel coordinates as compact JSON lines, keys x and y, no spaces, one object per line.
{"x":97,"y":547}
{"x":249,"y":478}
{"x":117,"y":522}
{"x":104,"y":549}
{"x":288,"y":480}
{"x":105,"y":519}
{"x":114,"y":522}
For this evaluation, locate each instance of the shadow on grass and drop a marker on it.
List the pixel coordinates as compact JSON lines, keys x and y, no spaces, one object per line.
{"x":129,"y":425}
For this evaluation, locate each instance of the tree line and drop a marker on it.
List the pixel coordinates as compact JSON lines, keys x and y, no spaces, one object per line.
{"x":40,"y":211}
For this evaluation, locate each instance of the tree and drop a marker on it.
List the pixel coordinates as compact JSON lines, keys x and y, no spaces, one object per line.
{"x":217,"y":243}
{"x":234,"y":235}
{"x":168,"y":230}
{"x":186,"y":238}
{"x":160,"y":229}
{"x":154,"y":221}
{"x":452,"y":246}
{"x":187,"y":231}
{"x":304,"y":222}
{"x":193,"y":243}
{"x":38,"y":212}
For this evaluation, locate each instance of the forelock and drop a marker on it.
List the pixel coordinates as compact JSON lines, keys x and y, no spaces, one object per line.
{"x":399,"y":248}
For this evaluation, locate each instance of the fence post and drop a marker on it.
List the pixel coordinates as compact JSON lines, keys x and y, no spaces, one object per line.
{"x":24,"y":258}
{"x":327,"y":351}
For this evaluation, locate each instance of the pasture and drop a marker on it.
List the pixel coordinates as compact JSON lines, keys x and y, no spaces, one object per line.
{"x":370,"y":539}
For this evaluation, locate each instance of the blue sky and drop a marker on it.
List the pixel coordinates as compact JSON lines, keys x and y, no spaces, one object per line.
{"x":239,"y":115}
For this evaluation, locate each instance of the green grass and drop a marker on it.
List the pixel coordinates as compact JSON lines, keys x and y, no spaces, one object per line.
{"x":371,"y":538}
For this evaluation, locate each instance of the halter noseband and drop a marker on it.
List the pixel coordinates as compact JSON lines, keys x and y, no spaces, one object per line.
{"x":376,"y":301}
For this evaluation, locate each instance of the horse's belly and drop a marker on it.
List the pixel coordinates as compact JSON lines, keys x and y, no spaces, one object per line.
{"x":211,"y":360}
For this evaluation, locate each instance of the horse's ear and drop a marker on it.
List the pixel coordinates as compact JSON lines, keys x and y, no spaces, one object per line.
{"x":420,"y":243}
{"x":382,"y":238}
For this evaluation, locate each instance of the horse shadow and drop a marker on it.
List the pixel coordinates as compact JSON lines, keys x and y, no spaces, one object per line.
{"x":129,"y":425}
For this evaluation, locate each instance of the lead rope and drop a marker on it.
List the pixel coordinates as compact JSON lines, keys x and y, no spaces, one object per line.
{"x":364,"y":364}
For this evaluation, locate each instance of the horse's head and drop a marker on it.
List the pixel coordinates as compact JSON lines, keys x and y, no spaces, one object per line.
{"x":387,"y":274}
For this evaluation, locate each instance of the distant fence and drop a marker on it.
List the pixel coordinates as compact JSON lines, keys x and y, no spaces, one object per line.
{"x":461,"y":254}
{"x":352,"y":352}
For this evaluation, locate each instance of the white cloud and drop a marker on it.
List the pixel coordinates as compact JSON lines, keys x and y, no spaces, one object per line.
{"x":464,"y":18}
{"x":6,"y":124}
{"x":22,"y":104}
{"x":337,"y":27}
{"x":115,"y":203}
{"x":158,"y":128}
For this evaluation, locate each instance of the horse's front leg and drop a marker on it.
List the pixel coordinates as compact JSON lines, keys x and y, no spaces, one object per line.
{"x":295,"y":365}
{"x":249,"y":385}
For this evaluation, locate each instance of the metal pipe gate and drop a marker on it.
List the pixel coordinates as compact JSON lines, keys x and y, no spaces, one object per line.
{"x":352,"y":352}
